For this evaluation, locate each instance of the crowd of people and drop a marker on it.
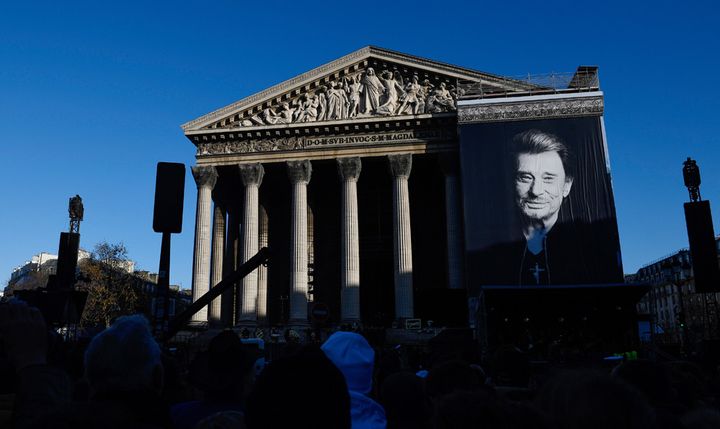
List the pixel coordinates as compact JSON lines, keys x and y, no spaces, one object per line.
{"x":128,"y":381}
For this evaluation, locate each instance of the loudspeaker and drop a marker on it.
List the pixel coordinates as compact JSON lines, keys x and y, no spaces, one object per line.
{"x":67,"y":260}
{"x":703,"y":249}
{"x":169,"y":196}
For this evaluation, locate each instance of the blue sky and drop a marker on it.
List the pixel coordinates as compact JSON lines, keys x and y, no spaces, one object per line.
{"x":92,"y":95}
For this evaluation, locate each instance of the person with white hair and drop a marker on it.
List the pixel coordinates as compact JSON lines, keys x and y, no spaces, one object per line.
{"x":122,"y":367}
{"x":124,"y":358}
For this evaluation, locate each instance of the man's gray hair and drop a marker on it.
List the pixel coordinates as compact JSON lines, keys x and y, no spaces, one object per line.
{"x":535,"y":142}
{"x":123,"y":357}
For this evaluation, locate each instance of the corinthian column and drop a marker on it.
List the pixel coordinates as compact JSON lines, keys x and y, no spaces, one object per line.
{"x":218,"y":249}
{"x":299,"y":173}
{"x":229,"y":265}
{"x":400,"y":166}
{"x":453,"y":222}
{"x":252,"y":175}
{"x":349,"y":172}
{"x":262,"y":271}
{"x":205,"y":179}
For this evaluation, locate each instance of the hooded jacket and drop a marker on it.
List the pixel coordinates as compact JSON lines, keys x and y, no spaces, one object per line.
{"x":354,"y":357}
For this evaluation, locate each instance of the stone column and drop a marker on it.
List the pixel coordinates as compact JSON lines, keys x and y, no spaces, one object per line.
{"x":349,"y":172}
{"x":453,"y":221}
{"x":252,"y":175}
{"x":205,"y":179}
{"x":262,"y":271}
{"x":229,"y":266}
{"x":299,"y":173}
{"x":400,"y":166}
{"x":218,"y":250}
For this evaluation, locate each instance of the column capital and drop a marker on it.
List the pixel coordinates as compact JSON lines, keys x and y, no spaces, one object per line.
{"x":400,"y":165}
{"x":349,"y":168}
{"x":449,"y":163}
{"x":251,"y":174}
{"x":205,"y":176}
{"x":299,"y":171}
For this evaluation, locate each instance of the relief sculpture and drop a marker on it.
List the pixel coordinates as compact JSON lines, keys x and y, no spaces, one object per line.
{"x":251,"y":146}
{"x":366,"y":93}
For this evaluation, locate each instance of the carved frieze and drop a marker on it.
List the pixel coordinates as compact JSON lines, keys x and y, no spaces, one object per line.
{"x":541,"y":109}
{"x":364,"y":93}
{"x":251,"y":146}
{"x":351,"y":73}
{"x":319,"y":142}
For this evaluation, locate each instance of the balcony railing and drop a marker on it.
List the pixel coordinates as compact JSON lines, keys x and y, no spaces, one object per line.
{"x":584,"y":79}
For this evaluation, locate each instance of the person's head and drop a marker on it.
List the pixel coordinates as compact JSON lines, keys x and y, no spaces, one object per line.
{"x":354,"y":357}
{"x":303,"y":391}
{"x":589,"y":400}
{"x":650,"y":378}
{"x":542,"y":175}
{"x":124,"y":357}
{"x":223,"y":420}
{"x":451,"y":376}
{"x":465,"y":409}
{"x":406,"y":404}
{"x":226,"y":370}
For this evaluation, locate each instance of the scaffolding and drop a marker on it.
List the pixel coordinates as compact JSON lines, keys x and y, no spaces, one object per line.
{"x":584,"y":79}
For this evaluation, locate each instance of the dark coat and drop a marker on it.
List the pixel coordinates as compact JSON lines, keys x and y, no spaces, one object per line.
{"x":573,"y":254}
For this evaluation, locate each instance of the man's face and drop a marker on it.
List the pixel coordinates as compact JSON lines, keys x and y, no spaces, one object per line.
{"x":540,"y":185}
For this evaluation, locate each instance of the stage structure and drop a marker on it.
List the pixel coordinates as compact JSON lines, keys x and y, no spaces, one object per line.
{"x":350,"y":174}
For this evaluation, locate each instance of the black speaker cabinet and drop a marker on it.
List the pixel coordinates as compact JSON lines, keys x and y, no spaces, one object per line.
{"x":169,"y":195}
{"x":703,"y":249}
{"x":67,"y":260}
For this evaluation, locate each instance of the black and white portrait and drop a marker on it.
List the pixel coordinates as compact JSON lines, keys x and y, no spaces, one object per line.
{"x":538,"y":204}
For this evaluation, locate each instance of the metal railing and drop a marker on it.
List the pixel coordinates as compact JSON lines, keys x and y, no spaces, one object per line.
{"x":584,"y":79}
{"x":666,"y":257}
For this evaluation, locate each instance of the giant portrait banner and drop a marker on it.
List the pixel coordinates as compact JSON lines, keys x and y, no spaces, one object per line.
{"x":538,"y":203}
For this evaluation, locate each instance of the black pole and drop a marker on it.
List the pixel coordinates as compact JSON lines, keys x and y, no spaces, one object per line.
{"x":179,"y":321}
{"x":162,"y":293}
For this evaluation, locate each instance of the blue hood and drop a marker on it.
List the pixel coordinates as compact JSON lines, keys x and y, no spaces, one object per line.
{"x":366,"y":413}
{"x":354,"y":357}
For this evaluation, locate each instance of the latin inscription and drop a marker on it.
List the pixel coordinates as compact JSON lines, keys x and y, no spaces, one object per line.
{"x":303,"y":143}
{"x":399,"y":137}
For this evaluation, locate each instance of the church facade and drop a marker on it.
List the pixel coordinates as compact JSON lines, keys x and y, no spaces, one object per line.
{"x":350,"y":174}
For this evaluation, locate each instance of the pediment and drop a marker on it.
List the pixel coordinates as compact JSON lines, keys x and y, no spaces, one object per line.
{"x":368,"y":83}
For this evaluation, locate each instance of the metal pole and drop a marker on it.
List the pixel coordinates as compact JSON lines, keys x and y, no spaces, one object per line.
{"x":162,"y":292}
{"x":179,"y":321}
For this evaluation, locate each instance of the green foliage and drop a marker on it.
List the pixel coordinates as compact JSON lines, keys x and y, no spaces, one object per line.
{"x":112,"y":290}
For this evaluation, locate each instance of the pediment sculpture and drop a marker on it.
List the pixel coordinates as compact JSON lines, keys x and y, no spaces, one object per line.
{"x":366,"y":93}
